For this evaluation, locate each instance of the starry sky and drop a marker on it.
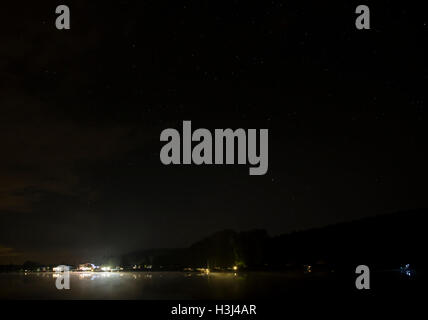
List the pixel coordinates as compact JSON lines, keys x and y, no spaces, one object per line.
{"x":81,"y":112}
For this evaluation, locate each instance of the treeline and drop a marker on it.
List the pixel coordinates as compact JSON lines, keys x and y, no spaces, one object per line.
{"x":386,"y":240}
{"x":28,"y":265}
{"x":223,"y":249}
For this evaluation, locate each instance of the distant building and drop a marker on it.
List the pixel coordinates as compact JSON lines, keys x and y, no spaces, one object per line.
{"x":87,"y":267}
{"x":60,"y":268}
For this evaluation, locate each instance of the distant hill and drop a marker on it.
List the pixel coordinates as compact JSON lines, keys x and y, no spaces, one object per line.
{"x":391,"y":239}
{"x":385,"y":239}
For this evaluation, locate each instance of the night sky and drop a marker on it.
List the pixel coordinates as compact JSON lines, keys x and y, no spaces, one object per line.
{"x":81,"y":112}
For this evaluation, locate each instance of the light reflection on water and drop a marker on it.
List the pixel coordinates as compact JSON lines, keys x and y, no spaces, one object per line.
{"x":143,"y":285}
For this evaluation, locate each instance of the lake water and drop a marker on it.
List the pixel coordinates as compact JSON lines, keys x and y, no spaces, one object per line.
{"x":154,"y":285}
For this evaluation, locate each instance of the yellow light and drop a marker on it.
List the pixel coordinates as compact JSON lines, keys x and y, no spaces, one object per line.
{"x":235,"y":268}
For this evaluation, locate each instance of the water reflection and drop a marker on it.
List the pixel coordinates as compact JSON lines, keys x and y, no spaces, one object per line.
{"x":143,"y":285}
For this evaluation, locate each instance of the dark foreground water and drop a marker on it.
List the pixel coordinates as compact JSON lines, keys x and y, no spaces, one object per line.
{"x":181,"y":285}
{"x":154,"y":285}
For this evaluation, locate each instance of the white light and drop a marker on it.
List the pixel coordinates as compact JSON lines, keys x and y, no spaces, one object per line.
{"x":85,"y":268}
